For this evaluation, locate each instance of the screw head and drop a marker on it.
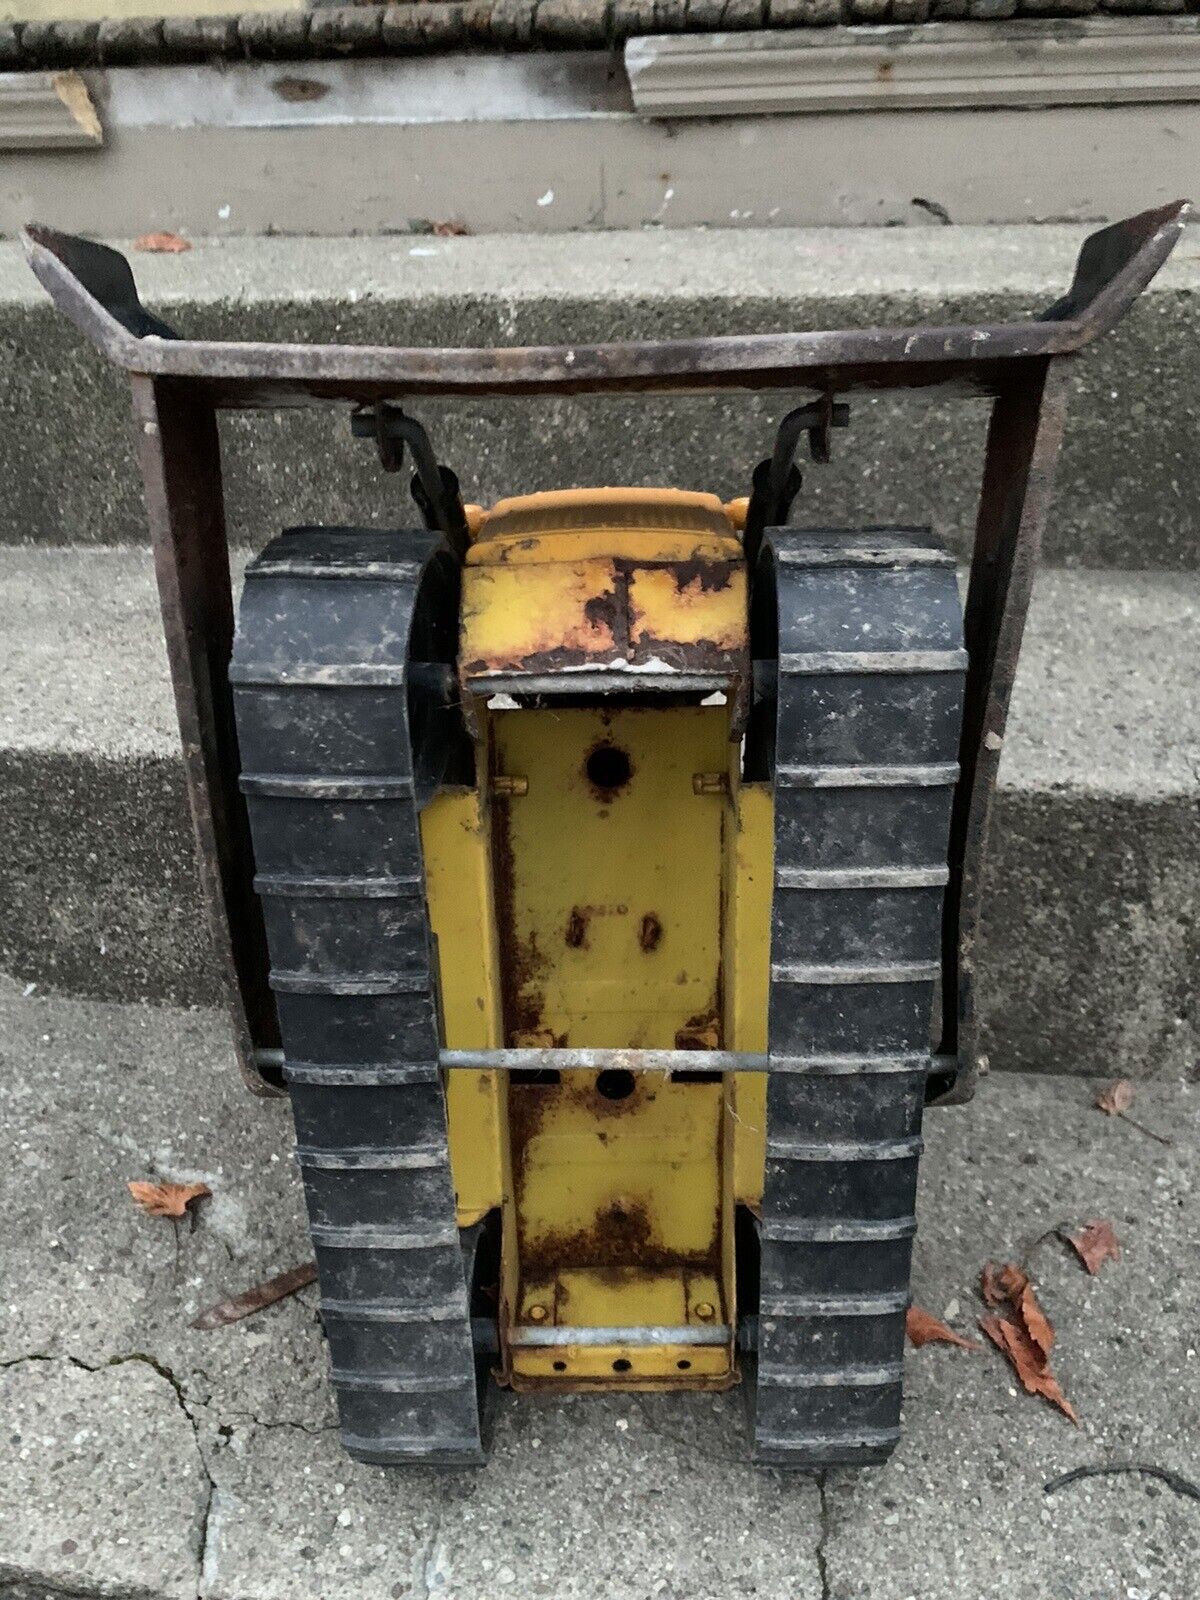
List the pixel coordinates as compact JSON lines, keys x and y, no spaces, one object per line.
{"x":705,"y":1310}
{"x":538,"y":1313}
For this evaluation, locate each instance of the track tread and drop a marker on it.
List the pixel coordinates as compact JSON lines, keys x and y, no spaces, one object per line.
{"x":867,"y":709}
{"x":320,"y":676}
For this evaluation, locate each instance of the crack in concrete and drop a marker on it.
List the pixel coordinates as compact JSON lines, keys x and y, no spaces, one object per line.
{"x":213,"y":1413}
{"x":140,"y":1357}
{"x":822,"y":1480}
{"x":184,"y":1405}
{"x":427,"y":1562}
{"x":269,"y":1423}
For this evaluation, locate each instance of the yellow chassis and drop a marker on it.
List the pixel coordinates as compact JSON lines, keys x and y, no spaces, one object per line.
{"x":606,"y":884}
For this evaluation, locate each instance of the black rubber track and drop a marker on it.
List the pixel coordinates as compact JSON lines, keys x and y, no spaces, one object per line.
{"x":861,"y":742}
{"x":338,"y":749}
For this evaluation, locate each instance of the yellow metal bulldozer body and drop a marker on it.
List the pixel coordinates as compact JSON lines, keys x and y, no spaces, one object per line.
{"x":606,"y":884}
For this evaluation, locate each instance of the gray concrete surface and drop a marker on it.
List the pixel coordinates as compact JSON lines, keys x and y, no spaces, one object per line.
{"x":1091,"y":953}
{"x":1130,"y":474}
{"x":140,"y":1458}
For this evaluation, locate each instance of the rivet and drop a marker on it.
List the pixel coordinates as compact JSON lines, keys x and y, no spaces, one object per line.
{"x":509,"y":786}
{"x":538,"y":1313}
{"x":705,"y":1310}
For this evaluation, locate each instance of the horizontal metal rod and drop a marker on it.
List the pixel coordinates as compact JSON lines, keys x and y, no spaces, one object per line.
{"x":606,"y":1060}
{"x":643,"y":1337}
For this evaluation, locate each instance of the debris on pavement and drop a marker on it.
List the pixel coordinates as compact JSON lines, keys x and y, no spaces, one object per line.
{"x":1173,"y":1480}
{"x":1023,"y":1333}
{"x":259,"y":1298}
{"x":161,"y":244}
{"x":1094,"y":1243}
{"x":1116,"y":1100}
{"x":922,"y":1327}
{"x":167,"y":1199}
{"x":999,"y":1285}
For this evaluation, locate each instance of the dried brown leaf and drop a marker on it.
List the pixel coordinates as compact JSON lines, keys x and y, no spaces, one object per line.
{"x":161,"y":244}
{"x":167,"y":1199}
{"x":1014,"y":1280}
{"x":256,"y":1299}
{"x":922,"y":1327}
{"x":1027,"y":1361}
{"x":1002,"y":1285}
{"x":1117,"y":1098}
{"x":1094,"y":1244}
{"x":989,"y":1287}
{"x":1035,"y":1321}
{"x":451,"y":230}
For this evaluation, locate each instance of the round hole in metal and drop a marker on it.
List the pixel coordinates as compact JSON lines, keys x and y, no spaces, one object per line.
{"x":608,"y":768}
{"x":622,"y":1365}
{"x":615,"y":1083}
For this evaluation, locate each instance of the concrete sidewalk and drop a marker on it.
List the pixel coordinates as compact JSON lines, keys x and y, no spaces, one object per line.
{"x":141,"y":1459}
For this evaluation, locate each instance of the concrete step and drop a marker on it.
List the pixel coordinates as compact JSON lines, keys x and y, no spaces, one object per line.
{"x":1127,"y":489}
{"x":1090,"y":945}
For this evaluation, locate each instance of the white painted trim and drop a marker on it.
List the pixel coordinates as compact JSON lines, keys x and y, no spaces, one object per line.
{"x":375,"y":92}
{"x":935,"y":66}
{"x":47,"y":111}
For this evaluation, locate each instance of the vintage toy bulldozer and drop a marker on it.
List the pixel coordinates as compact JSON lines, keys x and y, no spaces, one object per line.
{"x":601,"y":870}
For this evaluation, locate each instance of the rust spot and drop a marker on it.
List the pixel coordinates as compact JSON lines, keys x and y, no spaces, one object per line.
{"x":300,"y":91}
{"x":620,"y":1236}
{"x":884,"y":71}
{"x":605,"y":610}
{"x":701,"y":1032}
{"x":694,"y":578}
{"x":577,"y":929}
{"x":521,"y":962}
{"x":650,"y":936}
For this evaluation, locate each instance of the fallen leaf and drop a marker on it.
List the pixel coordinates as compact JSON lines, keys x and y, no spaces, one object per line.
{"x":161,"y":244}
{"x":167,"y":1199}
{"x":1002,"y":1285}
{"x":922,"y":1327}
{"x":1116,"y":1101}
{"x":73,"y":92}
{"x":989,"y":1287}
{"x":451,"y":230}
{"x":1118,"y":1097}
{"x":1094,"y":1244}
{"x":1027,"y":1361}
{"x":256,"y":1299}
{"x":1035,"y":1321}
{"x":1014,"y":1280}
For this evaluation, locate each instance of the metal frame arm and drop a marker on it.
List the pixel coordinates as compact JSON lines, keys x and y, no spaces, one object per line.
{"x":94,"y":286}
